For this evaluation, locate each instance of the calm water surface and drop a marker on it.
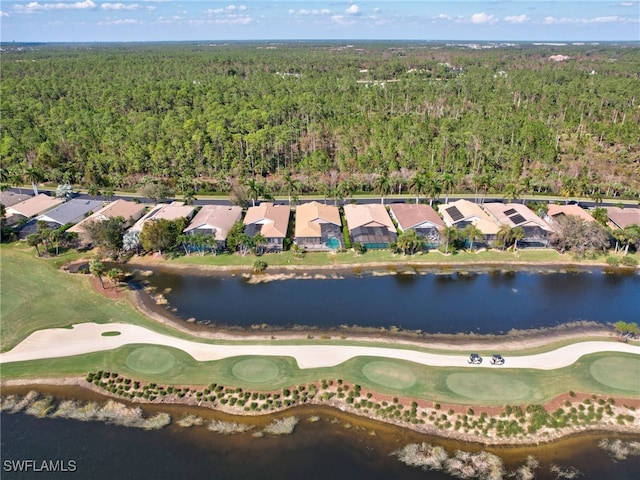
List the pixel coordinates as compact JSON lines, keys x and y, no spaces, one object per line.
{"x":314,"y":451}
{"x":489,"y":302}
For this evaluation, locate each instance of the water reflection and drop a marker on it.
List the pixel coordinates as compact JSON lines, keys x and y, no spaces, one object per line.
{"x":446,"y":302}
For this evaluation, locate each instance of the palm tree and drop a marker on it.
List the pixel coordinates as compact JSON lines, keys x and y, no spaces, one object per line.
{"x":345,"y":189}
{"x":93,"y":190}
{"x":569,"y":188}
{"x":409,"y":242}
{"x":472,"y":233}
{"x":511,"y":192}
{"x":433,"y":189}
{"x":257,"y":242}
{"x":114,"y":275}
{"x":382,"y":184}
{"x":418,"y":185}
{"x":517,"y":234}
{"x":34,"y":176}
{"x":291,"y":186}
{"x":255,"y":190}
{"x":34,"y":240}
{"x":96,"y":267}
{"x":450,"y":235}
{"x":448,"y":182}
{"x":505,"y":235}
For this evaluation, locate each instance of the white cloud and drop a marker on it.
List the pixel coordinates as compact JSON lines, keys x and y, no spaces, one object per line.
{"x":227,"y":9}
{"x":482,"y":17}
{"x":304,"y":12}
{"x":121,"y":21}
{"x":586,"y":21}
{"x":40,"y":7}
{"x":120,"y":6}
{"x":4,"y":14}
{"x":516,"y":19}
{"x":353,"y":10}
{"x":628,"y":4}
{"x":342,"y":20}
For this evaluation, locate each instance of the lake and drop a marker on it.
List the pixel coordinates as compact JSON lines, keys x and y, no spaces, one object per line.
{"x":486,"y":302}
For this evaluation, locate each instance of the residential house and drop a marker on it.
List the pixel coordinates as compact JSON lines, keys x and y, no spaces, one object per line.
{"x":166,"y":211}
{"x":555,"y":212}
{"x":8,"y":198}
{"x":623,"y":217}
{"x":370,"y":225}
{"x":463,"y":212}
{"x":70,"y":212}
{"x":421,"y":218}
{"x":215,"y":220}
{"x":318,"y":227}
{"x":536,"y":230}
{"x":271,"y":221}
{"x":30,"y":208}
{"x":129,"y":211}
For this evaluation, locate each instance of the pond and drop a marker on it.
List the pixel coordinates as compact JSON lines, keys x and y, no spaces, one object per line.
{"x":484,"y":302}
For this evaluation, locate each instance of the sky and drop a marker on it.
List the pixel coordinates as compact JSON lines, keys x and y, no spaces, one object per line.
{"x":201,"y":20}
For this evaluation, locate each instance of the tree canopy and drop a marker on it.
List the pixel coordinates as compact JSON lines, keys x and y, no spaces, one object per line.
{"x":307,"y":117}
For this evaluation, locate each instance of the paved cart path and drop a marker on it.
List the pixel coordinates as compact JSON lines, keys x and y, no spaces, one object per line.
{"x":88,"y":337}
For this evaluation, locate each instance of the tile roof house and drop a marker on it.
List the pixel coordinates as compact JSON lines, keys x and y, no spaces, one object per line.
{"x":536,"y":230}
{"x":370,"y":225}
{"x":271,"y":221}
{"x":31,"y":207}
{"x":318,"y":227}
{"x":555,"y":211}
{"x":130,"y":211}
{"x":215,"y":220}
{"x":8,"y":198}
{"x":623,"y":217}
{"x":463,"y":212}
{"x":170,"y":211}
{"x":421,"y":218}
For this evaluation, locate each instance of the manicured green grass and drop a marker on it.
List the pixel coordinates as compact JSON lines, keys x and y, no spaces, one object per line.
{"x":150,"y":359}
{"x":319,"y":259}
{"x":36,"y":295}
{"x":446,"y":385}
{"x":256,"y":370}
{"x":482,"y":385}
{"x":379,"y":256}
{"x":390,"y":374}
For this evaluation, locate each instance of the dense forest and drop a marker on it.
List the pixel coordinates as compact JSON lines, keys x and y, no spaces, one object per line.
{"x":322,"y":117}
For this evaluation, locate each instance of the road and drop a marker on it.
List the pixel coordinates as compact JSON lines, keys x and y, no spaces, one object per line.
{"x":359,"y":199}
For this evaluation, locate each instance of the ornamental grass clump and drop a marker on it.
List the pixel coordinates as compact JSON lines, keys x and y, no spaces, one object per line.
{"x":227,"y":428}
{"x":188,"y":421}
{"x":17,"y":403}
{"x":41,"y":407}
{"x":283,"y":426}
{"x":528,"y":470}
{"x":479,"y":466}
{"x":618,"y":449}
{"x":423,"y":455}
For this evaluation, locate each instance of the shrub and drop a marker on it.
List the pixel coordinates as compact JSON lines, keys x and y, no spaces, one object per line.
{"x":259,"y":265}
{"x":629,"y":261}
